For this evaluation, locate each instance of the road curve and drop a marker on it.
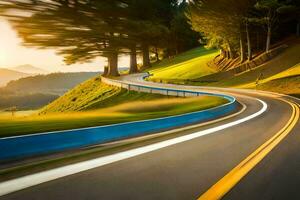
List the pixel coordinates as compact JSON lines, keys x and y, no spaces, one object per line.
{"x":189,"y":169}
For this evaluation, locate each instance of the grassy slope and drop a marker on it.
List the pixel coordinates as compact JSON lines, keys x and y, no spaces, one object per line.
{"x":131,"y":111}
{"x":281,"y":74}
{"x":189,"y":65}
{"x":93,"y":94}
{"x":286,"y":60}
{"x":287,"y":82}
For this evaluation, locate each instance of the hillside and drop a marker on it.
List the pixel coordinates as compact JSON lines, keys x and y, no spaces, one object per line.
{"x":189,"y":65}
{"x":93,"y":94}
{"x":284,"y":61}
{"x":55,"y":83}
{"x":37,"y":91}
{"x":29,"y":69}
{"x":7,"y":75}
{"x":25,"y":101}
{"x":287,"y":82}
{"x":280,"y":74}
{"x":126,"y":112}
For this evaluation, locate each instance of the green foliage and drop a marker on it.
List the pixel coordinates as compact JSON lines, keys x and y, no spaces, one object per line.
{"x":228,"y":24}
{"x":183,"y":37}
{"x":220,"y":21}
{"x":83,"y":30}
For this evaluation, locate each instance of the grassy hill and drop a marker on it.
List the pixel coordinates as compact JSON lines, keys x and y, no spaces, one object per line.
{"x":93,"y":94}
{"x":94,"y":103}
{"x":130,"y":111}
{"x":286,"y":82}
{"x":189,"y":65}
{"x":281,"y":74}
{"x":284,"y":61}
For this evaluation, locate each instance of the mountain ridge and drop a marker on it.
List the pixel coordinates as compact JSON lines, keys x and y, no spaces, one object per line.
{"x":30,"y":69}
{"x":7,"y":75}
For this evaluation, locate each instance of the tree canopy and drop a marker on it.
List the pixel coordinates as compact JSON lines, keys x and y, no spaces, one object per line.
{"x":81,"y":30}
{"x":232,"y":25}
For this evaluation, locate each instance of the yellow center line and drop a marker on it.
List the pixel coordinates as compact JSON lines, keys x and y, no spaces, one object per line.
{"x":225,"y":184}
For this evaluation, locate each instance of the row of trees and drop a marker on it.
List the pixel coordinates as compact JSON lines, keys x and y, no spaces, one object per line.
{"x":237,"y":26}
{"x":81,"y":30}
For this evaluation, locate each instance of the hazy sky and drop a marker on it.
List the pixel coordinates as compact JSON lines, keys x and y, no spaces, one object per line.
{"x":12,"y":54}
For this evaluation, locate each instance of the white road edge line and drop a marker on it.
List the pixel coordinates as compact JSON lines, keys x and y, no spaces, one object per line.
{"x":42,"y":177}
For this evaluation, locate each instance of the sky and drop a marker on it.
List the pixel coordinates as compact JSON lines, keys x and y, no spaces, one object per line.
{"x":12,"y":54}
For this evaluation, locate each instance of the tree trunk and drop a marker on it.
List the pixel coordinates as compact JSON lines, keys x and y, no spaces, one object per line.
{"x":133,"y":64}
{"x":268,"y":39}
{"x":248,"y":43}
{"x":223,"y":53}
{"x":230,"y":54}
{"x":298,"y":29}
{"x":105,"y":71}
{"x":156,"y":54}
{"x":257,"y":41}
{"x":226,"y":55}
{"x":146,"y":59}
{"x":113,"y":65}
{"x":242,"y":47}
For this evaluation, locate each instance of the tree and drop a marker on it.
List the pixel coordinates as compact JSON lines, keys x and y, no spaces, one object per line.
{"x":183,"y":37}
{"x":81,"y":30}
{"x":225,"y":22}
{"x":269,"y":10}
{"x":78,"y":30}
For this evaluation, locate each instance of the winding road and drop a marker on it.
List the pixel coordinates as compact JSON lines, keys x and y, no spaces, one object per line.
{"x":254,"y":154}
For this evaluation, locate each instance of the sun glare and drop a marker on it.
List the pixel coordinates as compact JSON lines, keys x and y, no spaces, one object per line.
{"x":12,"y":53}
{"x":2,"y":57}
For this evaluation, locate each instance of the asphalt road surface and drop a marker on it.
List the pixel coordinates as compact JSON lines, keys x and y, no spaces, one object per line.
{"x":189,"y":169}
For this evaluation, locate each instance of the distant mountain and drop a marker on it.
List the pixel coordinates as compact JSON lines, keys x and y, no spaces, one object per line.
{"x":39,"y":90}
{"x":7,"y":75}
{"x":30,"y":69}
{"x":55,"y":83}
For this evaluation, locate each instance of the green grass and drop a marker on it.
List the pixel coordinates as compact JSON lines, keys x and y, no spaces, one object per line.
{"x":82,"y":96}
{"x":93,"y":94}
{"x":287,"y":82}
{"x":281,"y":74}
{"x":132,"y":111}
{"x":189,"y":65}
{"x":269,"y":70}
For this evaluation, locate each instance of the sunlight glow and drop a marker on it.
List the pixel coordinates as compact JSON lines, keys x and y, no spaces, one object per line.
{"x":2,"y":57}
{"x":12,"y":54}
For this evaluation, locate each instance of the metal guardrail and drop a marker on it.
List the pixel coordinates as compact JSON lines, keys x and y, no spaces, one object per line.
{"x":50,"y":142}
{"x":160,"y":90}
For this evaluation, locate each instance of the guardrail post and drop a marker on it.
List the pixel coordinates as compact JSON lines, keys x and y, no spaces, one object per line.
{"x":128,"y":88}
{"x":183,"y":93}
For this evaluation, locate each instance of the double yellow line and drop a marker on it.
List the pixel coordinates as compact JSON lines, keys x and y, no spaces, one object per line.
{"x":225,"y":184}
